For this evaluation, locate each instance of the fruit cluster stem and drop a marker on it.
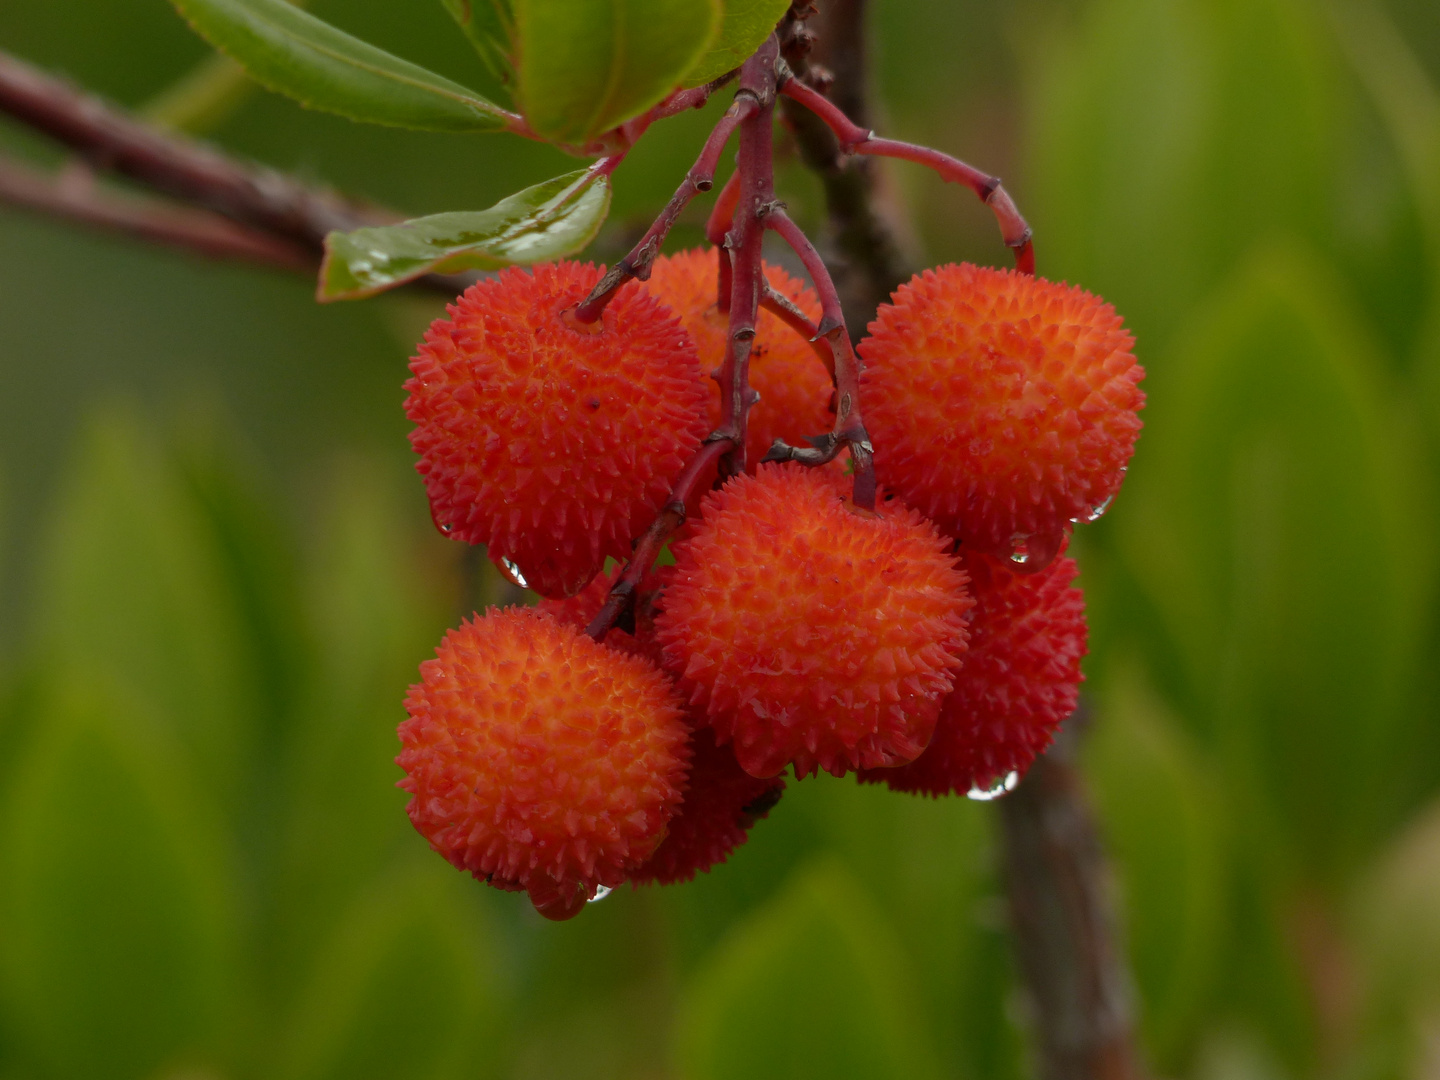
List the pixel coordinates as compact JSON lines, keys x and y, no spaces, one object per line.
{"x":857,"y":140}
{"x":849,"y":430}
{"x":647,"y":548}
{"x":701,"y":177}
{"x":755,"y":195}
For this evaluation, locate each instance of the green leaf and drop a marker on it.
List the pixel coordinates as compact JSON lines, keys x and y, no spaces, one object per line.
{"x":375,"y":616}
{"x":547,"y":221}
{"x":1162,"y":819}
{"x":811,"y":985}
{"x":1150,"y":117}
{"x":1278,"y":525}
{"x":490,"y":27}
{"x":587,"y":66}
{"x":132,"y":590}
{"x":743,"y":28}
{"x":119,"y":935}
{"x":397,"y":992}
{"x":294,"y":53}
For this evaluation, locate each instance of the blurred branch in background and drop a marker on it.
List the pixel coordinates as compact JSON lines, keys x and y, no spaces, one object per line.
{"x":1063,"y":928}
{"x":245,"y":210}
{"x":1057,"y":875}
{"x":829,"y":52}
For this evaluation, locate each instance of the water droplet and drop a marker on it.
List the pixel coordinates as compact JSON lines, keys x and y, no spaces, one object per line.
{"x":512,"y":573}
{"x":1095,"y":513}
{"x":601,"y":891}
{"x":1020,"y":549}
{"x":379,"y":256}
{"x":1001,"y":785}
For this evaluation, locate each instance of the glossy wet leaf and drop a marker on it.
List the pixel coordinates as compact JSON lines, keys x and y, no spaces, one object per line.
{"x":811,"y":985}
{"x":744,"y":25}
{"x":116,"y":897}
{"x":547,"y":221}
{"x":294,"y":53}
{"x":587,"y":66}
{"x":489,"y":25}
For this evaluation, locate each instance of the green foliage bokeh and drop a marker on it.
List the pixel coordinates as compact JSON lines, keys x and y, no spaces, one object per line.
{"x":217,"y":578}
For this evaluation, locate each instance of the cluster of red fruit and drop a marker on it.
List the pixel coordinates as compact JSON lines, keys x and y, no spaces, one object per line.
{"x":933,"y":644}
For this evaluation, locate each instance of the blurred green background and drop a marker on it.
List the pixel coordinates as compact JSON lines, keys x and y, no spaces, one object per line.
{"x":219,"y":576}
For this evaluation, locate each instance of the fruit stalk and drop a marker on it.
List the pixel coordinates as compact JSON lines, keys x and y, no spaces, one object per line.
{"x":755,"y":196}
{"x":647,"y":548}
{"x":857,"y":140}
{"x":701,"y":177}
{"x":849,"y":430}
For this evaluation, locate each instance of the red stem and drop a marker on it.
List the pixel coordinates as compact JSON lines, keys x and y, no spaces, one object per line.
{"x":718,"y":224}
{"x":756,"y":194}
{"x":857,"y":140}
{"x":701,"y":177}
{"x":647,"y":548}
{"x":753,"y":112}
{"x":849,"y":430}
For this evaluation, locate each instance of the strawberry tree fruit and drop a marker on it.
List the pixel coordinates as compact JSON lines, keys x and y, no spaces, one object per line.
{"x":539,"y":759}
{"x":1001,"y":405}
{"x":1020,"y":681}
{"x":810,"y":632}
{"x":552,"y":442}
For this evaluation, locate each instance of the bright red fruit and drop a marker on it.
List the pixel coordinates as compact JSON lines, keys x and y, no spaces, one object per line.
{"x":1020,"y":680}
{"x":1001,"y":405}
{"x":539,"y":759}
{"x":809,"y":632}
{"x":721,"y":803}
{"x":553,"y":444}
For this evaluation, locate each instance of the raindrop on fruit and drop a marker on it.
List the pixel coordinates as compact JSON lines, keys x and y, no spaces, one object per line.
{"x":1001,"y":785}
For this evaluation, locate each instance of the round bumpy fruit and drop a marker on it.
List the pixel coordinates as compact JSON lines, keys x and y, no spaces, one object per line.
{"x":793,"y":383}
{"x":811,"y":632}
{"x":721,"y":804}
{"x":551,"y":442}
{"x":1001,"y":405}
{"x":1020,"y":681}
{"x":539,"y":759}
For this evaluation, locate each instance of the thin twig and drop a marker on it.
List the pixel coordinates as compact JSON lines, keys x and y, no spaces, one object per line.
{"x":259,"y":201}
{"x":701,"y":177}
{"x":855,"y":139}
{"x":1061,"y":909}
{"x":647,"y":548}
{"x":726,"y":446}
{"x":849,"y":430}
{"x":113,"y":141}
{"x":74,"y":196}
{"x":829,"y":50}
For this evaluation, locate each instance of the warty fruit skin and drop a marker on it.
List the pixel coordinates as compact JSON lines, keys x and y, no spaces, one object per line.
{"x":539,"y":759}
{"x":794,"y":386}
{"x":1002,"y":406}
{"x":811,"y":633}
{"x":1020,"y":680}
{"x":721,"y":803}
{"x":553,"y":444}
